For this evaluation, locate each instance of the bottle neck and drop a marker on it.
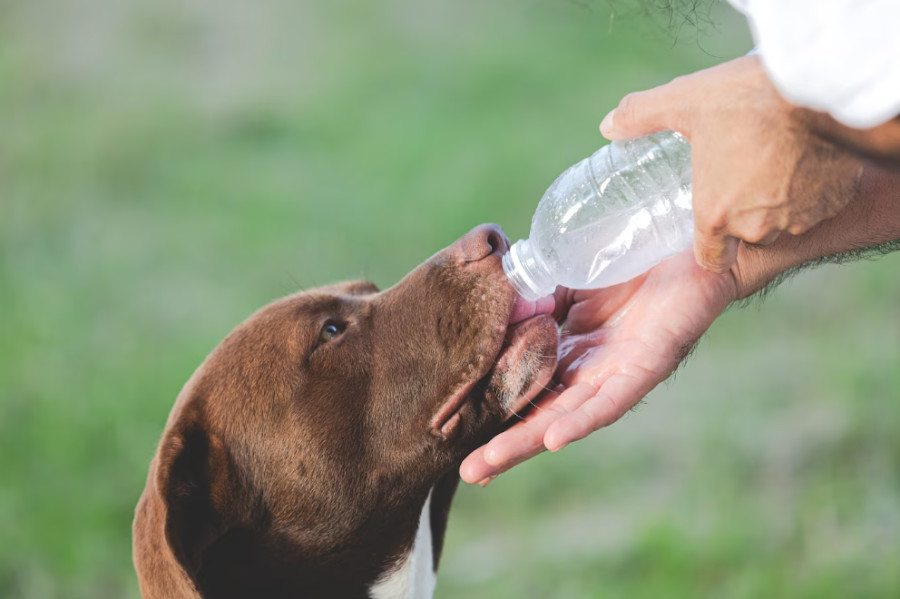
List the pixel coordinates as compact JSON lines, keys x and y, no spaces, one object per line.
{"x":526,"y":272}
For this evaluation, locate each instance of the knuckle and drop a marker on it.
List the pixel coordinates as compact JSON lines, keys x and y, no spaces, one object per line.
{"x":627,"y":111}
{"x":716,"y":267}
{"x":713,"y":223}
{"x":704,"y":258}
{"x":757,"y":234}
{"x":715,"y":253}
{"x":679,"y":85}
{"x":705,"y":246}
{"x":799,"y":228}
{"x":679,"y":81}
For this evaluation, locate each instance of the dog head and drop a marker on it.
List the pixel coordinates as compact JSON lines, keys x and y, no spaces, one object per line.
{"x":299,"y":454}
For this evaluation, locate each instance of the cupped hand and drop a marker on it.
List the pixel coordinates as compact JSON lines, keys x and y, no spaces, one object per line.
{"x":616,"y":345}
{"x":760,"y":168}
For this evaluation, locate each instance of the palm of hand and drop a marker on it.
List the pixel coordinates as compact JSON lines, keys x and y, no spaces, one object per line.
{"x":617,"y":344}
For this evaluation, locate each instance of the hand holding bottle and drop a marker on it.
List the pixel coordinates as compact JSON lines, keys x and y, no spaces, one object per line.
{"x":760,"y":168}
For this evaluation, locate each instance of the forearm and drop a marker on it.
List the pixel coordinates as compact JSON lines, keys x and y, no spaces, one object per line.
{"x":880,"y":143}
{"x":869,"y":221}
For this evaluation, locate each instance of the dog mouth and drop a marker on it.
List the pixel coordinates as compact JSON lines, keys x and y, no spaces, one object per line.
{"x":519,"y":370}
{"x":526,"y":361}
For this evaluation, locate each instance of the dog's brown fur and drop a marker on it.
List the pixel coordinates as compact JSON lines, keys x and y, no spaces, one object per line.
{"x":296,"y":461}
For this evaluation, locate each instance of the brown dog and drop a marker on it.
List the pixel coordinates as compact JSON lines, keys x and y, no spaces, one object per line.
{"x":315,"y":451}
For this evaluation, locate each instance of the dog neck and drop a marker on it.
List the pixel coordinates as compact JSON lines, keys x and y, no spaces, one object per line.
{"x":411,"y":573}
{"x":413,"y":576}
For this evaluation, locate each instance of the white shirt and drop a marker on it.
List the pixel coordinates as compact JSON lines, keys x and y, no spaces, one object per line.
{"x":836,"y":56}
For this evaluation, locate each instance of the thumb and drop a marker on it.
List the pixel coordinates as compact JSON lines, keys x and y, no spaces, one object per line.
{"x":715,"y":253}
{"x":643,"y":113}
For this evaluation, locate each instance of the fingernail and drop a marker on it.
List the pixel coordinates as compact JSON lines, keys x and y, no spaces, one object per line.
{"x":492,"y":457}
{"x":556,"y":448}
{"x":484,"y":481}
{"x":607,"y":123}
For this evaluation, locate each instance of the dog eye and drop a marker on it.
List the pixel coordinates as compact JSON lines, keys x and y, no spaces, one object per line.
{"x":331,"y":330}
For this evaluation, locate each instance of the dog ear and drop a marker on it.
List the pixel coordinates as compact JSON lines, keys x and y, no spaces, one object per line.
{"x":363,"y":288}
{"x":355,"y":287}
{"x":191,"y":475}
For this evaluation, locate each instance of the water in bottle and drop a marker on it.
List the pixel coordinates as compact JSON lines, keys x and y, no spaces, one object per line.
{"x":609,"y":218}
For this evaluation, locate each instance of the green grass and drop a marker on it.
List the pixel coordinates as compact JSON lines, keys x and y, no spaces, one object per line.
{"x":168,"y":167}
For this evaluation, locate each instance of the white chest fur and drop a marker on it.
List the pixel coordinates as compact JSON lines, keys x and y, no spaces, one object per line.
{"x":413,"y":577}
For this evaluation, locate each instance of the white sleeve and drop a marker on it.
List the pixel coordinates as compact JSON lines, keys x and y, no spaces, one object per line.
{"x":836,"y":56}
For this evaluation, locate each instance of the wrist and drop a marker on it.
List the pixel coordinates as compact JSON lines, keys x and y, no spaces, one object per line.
{"x":757,"y":266}
{"x":871,"y":219}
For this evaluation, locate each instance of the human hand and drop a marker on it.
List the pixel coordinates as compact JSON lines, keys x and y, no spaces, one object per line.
{"x":616,"y":345}
{"x":760,"y":167}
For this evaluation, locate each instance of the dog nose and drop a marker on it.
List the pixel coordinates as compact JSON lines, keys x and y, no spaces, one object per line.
{"x":483,"y":241}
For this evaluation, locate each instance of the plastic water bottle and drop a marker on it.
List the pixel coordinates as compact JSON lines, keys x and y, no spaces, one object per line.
{"x":608,"y":218}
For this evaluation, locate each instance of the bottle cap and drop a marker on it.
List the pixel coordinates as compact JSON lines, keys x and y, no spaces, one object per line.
{"x":525,"y":274}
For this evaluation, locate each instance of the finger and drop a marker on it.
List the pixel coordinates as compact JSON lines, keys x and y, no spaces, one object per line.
{"x":525,"y":439}
{"x":646,"y":112}
{"x":521,"y":441}
{"x":762,"y":239}
{"x":475,"y":470}
{"x":715,"y":253}
{"x":563,"y":299}
{"x":618,"y":395}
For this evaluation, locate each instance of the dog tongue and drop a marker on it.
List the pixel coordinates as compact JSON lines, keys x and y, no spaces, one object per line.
{"x":524,"y":309}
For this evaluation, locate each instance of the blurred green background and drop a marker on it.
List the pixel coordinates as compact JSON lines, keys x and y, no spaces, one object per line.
{"x":167,"y":167}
